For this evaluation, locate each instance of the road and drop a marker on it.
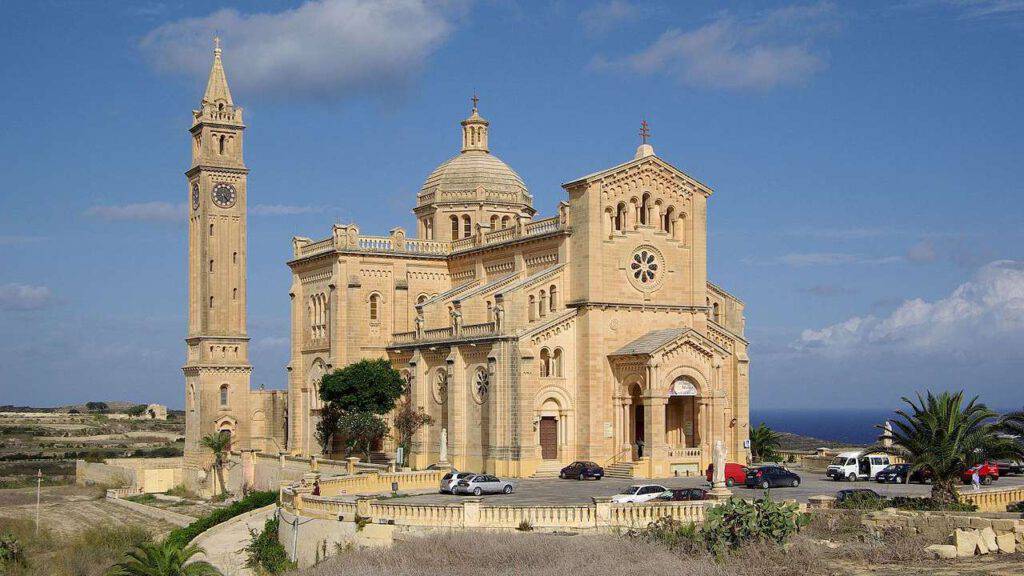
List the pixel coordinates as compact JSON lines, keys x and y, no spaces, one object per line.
{"x":535,"y":491}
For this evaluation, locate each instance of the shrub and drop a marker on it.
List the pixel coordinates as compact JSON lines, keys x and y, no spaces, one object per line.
{"x":181,"y":492}
{"x":264,"y":553}
{"x":866,"y":501}
{"x":673,"y":534}
{"x":182,"y":536}
{"x":525,"y":526}
{"x":1016,"y":507}
{"x":11,"y":551}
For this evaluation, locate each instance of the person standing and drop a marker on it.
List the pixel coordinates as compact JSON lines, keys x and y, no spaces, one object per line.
{"x":975,"y":480}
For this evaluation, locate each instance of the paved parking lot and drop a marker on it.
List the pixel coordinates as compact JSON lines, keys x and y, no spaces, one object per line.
{"x":555,"y":491}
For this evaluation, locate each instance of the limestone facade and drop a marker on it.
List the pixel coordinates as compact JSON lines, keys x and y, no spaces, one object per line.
{"x":593,"y":334}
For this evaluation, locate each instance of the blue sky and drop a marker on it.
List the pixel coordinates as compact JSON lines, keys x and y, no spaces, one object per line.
{"x":865,"y":157}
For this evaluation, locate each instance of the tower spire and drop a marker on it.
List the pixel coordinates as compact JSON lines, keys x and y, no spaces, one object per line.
{"x":645,"y":149}
{"x":217,"y":86}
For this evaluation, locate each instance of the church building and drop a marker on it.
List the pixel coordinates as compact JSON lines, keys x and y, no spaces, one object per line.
{"x":591,"y":334}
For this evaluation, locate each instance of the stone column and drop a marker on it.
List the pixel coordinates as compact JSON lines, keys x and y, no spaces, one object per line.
{"x":654,"y":427}
{"x":457,"y":408}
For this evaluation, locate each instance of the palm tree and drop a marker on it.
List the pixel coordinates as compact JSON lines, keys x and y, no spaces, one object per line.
{"x":1012,"y":424}
{"x":764,"y":443}
{"x":218,"y":443}
{"x":943,"y":435}
{"x":163,"y":559}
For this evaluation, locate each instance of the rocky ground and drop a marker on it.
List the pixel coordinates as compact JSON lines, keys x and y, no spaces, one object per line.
{"x":69,"y":509}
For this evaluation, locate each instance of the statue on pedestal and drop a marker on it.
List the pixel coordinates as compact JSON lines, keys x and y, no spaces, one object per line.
{"x":718,"y":487}
{"x":443,"y":449}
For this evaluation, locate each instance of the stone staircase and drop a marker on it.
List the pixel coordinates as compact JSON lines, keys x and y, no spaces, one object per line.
{"x":619,"y":470}
{"x":548,"y":469}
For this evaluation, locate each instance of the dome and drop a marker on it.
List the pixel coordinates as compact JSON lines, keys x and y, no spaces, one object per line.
{"x":459,"y":177}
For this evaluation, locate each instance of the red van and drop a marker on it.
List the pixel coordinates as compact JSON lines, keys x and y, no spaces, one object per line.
{"x":734,"y":473}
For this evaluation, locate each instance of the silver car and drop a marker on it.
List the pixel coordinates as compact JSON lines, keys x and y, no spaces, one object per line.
{"x":482,"y":484}
{"x":451,"y":478}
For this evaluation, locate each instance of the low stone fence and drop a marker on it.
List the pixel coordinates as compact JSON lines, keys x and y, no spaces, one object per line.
{"x":380,"y":482}
{"x":145,"y":474}
{"x":601,"y":515}
{"x":116,"y":496}
{"x":993,"y":499}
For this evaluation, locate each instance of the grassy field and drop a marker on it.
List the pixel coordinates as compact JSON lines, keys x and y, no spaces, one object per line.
{"x":527,"y":554}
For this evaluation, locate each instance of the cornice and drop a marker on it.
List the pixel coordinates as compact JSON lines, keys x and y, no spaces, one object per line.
{"x":634,"y":306}
{"x":215,"y":168}
{"x":195,"y":369}
{"x":200,"y":337}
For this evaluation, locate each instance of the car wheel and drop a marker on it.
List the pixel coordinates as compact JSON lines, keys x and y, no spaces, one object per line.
{"x":899,"y":480}
{"x":729,"y":482}
{"x":477,"y":491}
{"x":765,"y":485}
{"x":795,"y":483}
{"x":988,"y":480}
{"x":581,"y":477}
{"x":852,"y":477}
{"x":561,"y":475}
{"x":507,"y":490}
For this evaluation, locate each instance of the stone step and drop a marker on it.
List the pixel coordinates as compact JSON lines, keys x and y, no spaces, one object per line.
{"x":619,"y":470}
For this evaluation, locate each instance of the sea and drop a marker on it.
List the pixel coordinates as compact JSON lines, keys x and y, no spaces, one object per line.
{"x":848,"y":426}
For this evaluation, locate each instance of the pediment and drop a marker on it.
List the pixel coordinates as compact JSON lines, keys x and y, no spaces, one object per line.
{"x":651,"y":171}
{"x":668,"y":342}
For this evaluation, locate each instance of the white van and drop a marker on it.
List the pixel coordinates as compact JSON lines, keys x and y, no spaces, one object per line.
{"x":855,"y":466}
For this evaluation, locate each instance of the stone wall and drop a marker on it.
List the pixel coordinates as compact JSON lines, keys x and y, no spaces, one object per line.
{"x":144,"y":474}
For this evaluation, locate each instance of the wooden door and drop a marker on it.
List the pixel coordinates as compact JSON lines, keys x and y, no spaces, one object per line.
{"x":549,"y":438}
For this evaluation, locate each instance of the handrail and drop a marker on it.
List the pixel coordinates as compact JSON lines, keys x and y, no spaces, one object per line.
{"x":615,"y":459}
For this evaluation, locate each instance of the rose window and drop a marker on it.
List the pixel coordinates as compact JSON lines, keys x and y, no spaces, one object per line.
{"x":644,"y":266}
{"x":481,"y":384}
{"x":441,"y":387}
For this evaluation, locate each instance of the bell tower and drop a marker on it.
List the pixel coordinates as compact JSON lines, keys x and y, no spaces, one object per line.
{"x":217,"y":368}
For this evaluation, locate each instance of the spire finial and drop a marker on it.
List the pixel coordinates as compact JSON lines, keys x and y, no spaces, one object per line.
{"x":475,"y":100}
{"x":216,"y":45}
{"x":645,"y":131}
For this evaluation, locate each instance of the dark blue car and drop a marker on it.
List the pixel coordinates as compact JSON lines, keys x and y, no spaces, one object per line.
{"x":582,"y":470}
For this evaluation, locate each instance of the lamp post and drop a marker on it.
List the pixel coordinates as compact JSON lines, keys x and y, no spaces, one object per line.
{"x":39,"y":488}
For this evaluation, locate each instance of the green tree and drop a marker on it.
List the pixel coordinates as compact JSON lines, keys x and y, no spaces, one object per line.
{"x":218,"y":443}
{"x":96,"y":406}
{"x":367,"y":386}
{"x":361,"y":430}
{"x":407,"y":422}
{"x":327,"y":426}
{"x":1012,"y":424}
{"x":137,"y":410}
{"x":943,"y":435}
{"x":163,"y":559}
{"x":764,"y":443}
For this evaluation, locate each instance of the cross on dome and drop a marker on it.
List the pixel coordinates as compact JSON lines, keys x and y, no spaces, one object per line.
{"x":645,"y":132}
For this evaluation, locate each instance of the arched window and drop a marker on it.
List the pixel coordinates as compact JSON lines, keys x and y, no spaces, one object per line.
{"x":467,"y":226}
{"x":211,"y":265}
{"x":644,"y":208}
{"x":494,"y":222}
{"x":620,"y":216}
{"x":666,"y":224}
{"x":211,"y":229}
{"x":542,"y":304}
{"x":455,"y":226}
{"x":421,"y":299}
{"x":223,"y":394}
{"x":504,"y":221}
{"x":211,"y":301}
{"x":533,"y":308}
{"x":374,"y":306}
{"x":222,"y":144}
{"x":490,"y":312}
{"x":556,"y":363}
{"x":545,"y":362}
{"x":234,"y":257}
{"x":715,"y":312}
{"x":552,"y":297}
{"x":234,"y":293}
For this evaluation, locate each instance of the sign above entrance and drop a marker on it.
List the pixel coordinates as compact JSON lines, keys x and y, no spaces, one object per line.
{"x":682,"y":388}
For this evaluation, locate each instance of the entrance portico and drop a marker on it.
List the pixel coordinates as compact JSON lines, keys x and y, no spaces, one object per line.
{"x":666,"y":409}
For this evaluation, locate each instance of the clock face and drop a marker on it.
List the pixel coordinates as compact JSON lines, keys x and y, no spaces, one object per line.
{"x":195,"y":196}
{"x":224,"y":195}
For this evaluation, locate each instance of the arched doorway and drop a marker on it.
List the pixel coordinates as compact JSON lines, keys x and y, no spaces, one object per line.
{"x":637,"y":439}
{"x":681,"y":412}
{"x":548,"y":429}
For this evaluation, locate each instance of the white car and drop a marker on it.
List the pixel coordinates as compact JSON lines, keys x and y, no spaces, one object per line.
{"x":451,"y":479}
{"x":639,"y":493}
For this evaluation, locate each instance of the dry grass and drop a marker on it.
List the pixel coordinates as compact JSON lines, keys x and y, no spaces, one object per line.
{"x":90,"y":552}
{"x":532,"y":554}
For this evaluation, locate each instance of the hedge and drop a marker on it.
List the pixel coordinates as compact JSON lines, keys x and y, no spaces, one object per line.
{"x":180,"y":537}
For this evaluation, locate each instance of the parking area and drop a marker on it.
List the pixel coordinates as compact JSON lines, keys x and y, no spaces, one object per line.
{"x":553,"y":491}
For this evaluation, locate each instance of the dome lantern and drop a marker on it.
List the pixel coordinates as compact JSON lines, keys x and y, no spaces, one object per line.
{"x":474,"y":130}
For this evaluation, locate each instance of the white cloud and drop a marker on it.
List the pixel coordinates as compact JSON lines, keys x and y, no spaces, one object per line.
{"x":770,"y":49}
{"x":284,"y":210}
{"x":923,"y":251}
{"x":804,"y":259}
{"x":140,"y":212}
{"x":323,"y":50}
{"x":271,"y":342}
{"x":972,"y":9}
{"x":982,"y":317}
{"x":602,"y":17}
{"x":24,"y":297}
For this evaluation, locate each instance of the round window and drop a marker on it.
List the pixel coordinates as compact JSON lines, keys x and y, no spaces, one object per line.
{"x":646,"y":268}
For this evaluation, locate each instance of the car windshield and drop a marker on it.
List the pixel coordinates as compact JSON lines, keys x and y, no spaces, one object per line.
{"x":630,"y":490}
